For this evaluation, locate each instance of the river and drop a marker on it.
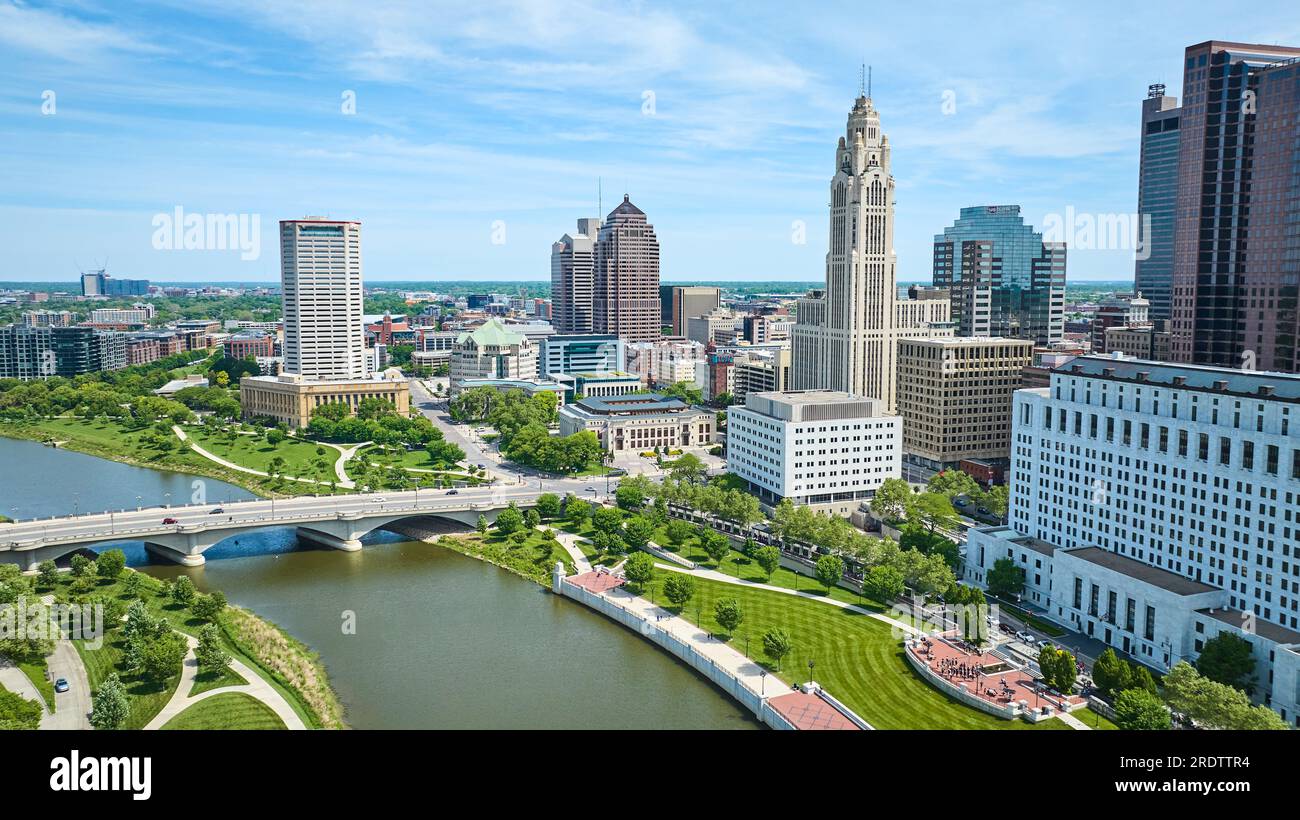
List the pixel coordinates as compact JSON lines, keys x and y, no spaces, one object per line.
{"x":413,"y":636}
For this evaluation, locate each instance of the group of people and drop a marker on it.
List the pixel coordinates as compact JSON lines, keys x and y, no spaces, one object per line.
{"x":951,"y":668}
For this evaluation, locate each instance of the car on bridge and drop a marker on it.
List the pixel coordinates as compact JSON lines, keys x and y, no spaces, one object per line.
{"x":216,"y":511}
{"x":453,"y":491}
{"x":170,"y":520}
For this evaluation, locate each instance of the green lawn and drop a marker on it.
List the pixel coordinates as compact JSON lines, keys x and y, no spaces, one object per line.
{"x":401,"y":457}
{"x":299,"y":455}
{"x":534,"y":559}
{"x":38,"y":674}
{"x":855,"y":656}
{"x":206,"y":681}
{"x":1094,"y":719}
{"x":145,"y":698}
{"x":229,"y":710}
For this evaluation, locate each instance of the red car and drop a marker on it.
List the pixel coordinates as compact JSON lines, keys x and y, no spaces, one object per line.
{"x":170,"y":521}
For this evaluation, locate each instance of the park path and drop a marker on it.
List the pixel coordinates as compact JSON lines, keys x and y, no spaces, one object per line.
{"x":570,"y":543}
{"x":1073,"y":722}
{"x":714,"y":575}
{"x":257,"y":688}
{"x":341,"y":463}
{"x":232,"y":465}
{"x":73,"y":707}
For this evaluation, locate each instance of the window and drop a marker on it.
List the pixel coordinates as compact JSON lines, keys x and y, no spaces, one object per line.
{"x":1149,"y":628}
{"x":1130,"y":615}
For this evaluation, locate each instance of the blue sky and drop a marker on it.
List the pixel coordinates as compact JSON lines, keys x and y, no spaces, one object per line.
{"x":481,"y":128}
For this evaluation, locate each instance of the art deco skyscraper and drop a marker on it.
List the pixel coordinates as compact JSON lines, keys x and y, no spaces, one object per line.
{"x":625,"y":287}
{"x":572,"y":268}
{"x":320,"y":276}
{"x":847,"y":343}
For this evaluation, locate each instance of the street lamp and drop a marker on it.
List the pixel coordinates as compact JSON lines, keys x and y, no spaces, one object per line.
{"x":762,"y":682}
{"x":139,"y":502}
{"x":811,"y":664}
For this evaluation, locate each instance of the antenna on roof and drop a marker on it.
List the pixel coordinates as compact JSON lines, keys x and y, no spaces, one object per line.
{"x":868,"y":82}
{"x":862,"y":81}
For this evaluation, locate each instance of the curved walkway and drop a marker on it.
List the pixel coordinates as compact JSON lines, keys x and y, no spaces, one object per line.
{"x":257,"y":688}
{"x":232,"y":465}
{"x":570,"y":543}
{"x":341,"y":463}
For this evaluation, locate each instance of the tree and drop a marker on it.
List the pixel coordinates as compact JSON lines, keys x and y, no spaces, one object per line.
{"x":209,"y":607}
{"x":632,"y":492}
{"x":47,"y":574}
{"x":110,"y":564}
{"x":532,"y":518}
{"x":1140,"y":709}
{"x":883,"y":583}
{"x":274,"y":437}
{"x":1058,"y":668}
{"x":768,"y":559}
{"x":510,"y":519}
{"x":110,"y":707}
{"x":607,"y":520}
{"x":829,"y":570}
{"x":1215,"y":705}
{"x":160,"y":656}
{"x":639,"y":568}
{"x":935,"y":511}
{"x":1111,"y":674}
{"x":777,"y":644}
{"x":715,"y":545}
{"x":1227,"y":658}
{"x":688,"y":468}
{"x":893,"y":500}
{"x":80,"y":565}
{"x":576,"y":510}
{"x":1005,"y":579}
{"x":728,"y":614}
{"x":679,"y":531}
{"x":1142,"y":679}
{"x":638,"y":531}
{"x":953,"y":483}
{"x":132,"y":583}
{"x":482,"y":525}
{"x":548,"y":505}
{"x":211,"y":655}
{"x":183,"y":591}
{"x":679,"y":588}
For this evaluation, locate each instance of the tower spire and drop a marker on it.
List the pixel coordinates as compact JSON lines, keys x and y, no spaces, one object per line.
{"x":868,"y":82}
{"x":862,"y":81}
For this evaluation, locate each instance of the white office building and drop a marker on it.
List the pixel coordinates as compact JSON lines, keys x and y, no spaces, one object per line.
{"x":1166,"y":500}
{"x":320,"y":274}
{"x":815,"y":447}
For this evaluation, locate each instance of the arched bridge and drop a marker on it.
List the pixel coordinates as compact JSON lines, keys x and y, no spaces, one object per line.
{"x":184,"y":533}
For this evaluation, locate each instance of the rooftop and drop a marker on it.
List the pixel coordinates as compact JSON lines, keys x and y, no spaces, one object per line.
{"x":492,"y":333}
{"x":1237,"y":618}
{"x":1163,"y":578}
{"x":632,"y":403}
{"x":1035,"y":544}
{"x":1252,"y":383}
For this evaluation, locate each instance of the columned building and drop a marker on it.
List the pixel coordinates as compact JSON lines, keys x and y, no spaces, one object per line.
{"x":320,"y":273}
{"x":625,"y":289}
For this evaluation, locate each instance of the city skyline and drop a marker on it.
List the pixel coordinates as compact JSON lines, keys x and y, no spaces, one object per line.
{"x":467,"y":154}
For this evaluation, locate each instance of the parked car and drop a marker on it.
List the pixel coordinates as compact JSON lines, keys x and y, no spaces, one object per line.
{"x":61,"y":685}
{"x":984,"y":511}
{"x":961,"y":502}
{"x":1043,"y":643}
{"x":216,"y":511}
{"x":170,"y":521}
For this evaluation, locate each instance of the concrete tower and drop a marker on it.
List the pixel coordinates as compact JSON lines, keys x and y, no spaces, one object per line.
{"x":320,"y":276}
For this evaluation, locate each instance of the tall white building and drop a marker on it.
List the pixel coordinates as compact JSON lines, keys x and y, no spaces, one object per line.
{"x":572,"y":271}
{"x":818,"y":447}
{"x":1162,"y":504}
{"x":846,"y":336}
{"x":320,"y":275}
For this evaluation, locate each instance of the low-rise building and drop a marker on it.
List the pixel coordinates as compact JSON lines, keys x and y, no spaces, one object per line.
{"x":290,"y":398}
{"x":581,"y":353}
{"x":815,"y":447}
{"x":530,"y":387}
{"x":639,"y":422}
{"x":599,"y":385}
{"x":493,"y":352}
{"x":248,"y":344}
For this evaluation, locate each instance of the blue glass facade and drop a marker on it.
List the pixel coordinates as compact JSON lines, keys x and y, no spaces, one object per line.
{"x":1157,"y":198}
{"x":1004,"y":279}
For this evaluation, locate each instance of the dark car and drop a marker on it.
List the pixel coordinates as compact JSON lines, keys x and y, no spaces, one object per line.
{"x":453,"y":491}
{"x":217,"y":511}
{"x":61,"y":685}
{"x":170,"y":521}
{"x":961,"y":502}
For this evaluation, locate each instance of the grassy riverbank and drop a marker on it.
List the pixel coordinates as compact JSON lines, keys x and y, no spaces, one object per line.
{"x":533,"y":559}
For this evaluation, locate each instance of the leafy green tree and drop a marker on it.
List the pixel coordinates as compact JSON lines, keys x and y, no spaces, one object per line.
{"x":110,"y":707}
{"x":935,"y":511}
{"x":688,"y":468}
{"x":639,"y":568}
{"x":532,"y":518}
{"x":1142,"y":679}
{"x":183,"y":591}
{"x":1005,"y":579}
{"x":209,"y":607}
{"x":510,"y":519}
{"x":211,"y":655}
{"x":1111,"y":674}
{"x":548,"y":505}
{"x":1138,"y":709}
{"x":777,"y":644}
{"x":715,"y":545}
{"x":728,"y":614}
{"x":1058,"y":668}
{"x":953,"y":483}
{"x":883,"y":583}
{"x":679,"y":531}
{"x":1215,"y":705}
{"x":679,"y":589}
{"x":47,"y":574}
{"x":80,"y":565}
{"x":607,"y":519}
{"x":638,"y":531}
{"x":768,"y":559}
{"x":829,"y":569}
{"x":1227,"y":658}
{"x":632,"y":492}
{"x":576,"y":510}
{"x":482,"y":525}
{"x":110,"y":564}
{"x":893,"y":500}
{"x":160,"y":656}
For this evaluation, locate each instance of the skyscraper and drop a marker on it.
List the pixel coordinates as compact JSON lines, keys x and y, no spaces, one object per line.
{"x":572,"y":261}
{"x":625,"y":282}
{"x":1004,"y":279}
{"x":679,"y":303}
{"x":1157,"y":189}
{"x":846,"y":343}
{"x":1236,"y":271}
{"x":320,"y":275}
